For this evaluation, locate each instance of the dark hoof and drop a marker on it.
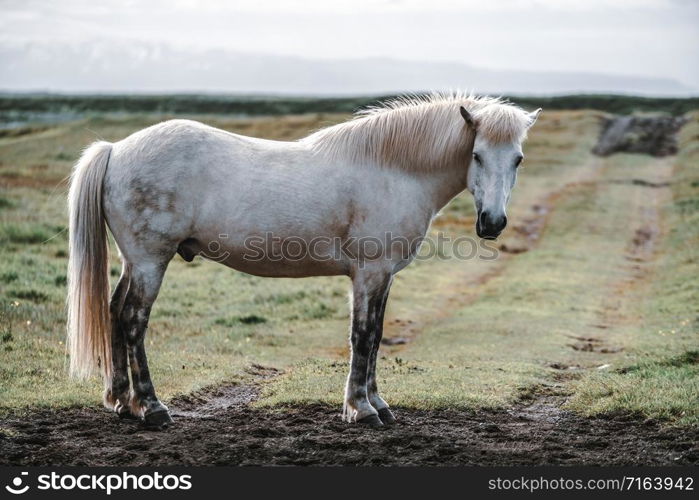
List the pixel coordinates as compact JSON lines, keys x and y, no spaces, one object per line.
{"x":158,"y":420}
{"x":386,"y":416}
{"x":127,"y":415}
{"x":371,"y":420}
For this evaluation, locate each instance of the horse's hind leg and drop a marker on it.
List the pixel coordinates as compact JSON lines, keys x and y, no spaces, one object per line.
{"x":377,"y":401}
{"x":144,"y":284}
{"x":116,"y":394}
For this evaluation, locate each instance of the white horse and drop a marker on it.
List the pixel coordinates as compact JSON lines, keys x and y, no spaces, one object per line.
{"x":179,"y":186}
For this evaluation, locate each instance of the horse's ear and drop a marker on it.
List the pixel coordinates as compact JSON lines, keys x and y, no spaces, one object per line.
{"x":533,"y":116}
{"x":467,"y":116}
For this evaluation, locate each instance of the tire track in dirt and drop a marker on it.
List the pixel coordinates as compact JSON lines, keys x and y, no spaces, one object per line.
{"x":464,"y":288}
{"x":640,"y":254}
{"x":641,"y":251}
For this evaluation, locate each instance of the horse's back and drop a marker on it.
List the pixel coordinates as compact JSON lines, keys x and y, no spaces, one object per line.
{"x":177,"y":144}
{"x":181,"y":179}
{"x":196,"y":164}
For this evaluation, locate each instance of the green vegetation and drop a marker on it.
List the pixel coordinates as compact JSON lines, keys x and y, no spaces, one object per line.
{"x":578,"y":303}
{"x":665,"y":389}
{"x":19,"y":106}
{"x":11,"y":233}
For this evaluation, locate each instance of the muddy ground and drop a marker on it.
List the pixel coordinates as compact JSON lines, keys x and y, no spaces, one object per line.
{"x":219,"y":427}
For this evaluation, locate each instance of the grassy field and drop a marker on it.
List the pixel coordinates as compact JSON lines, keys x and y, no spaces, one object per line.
{"x":593,"y":295}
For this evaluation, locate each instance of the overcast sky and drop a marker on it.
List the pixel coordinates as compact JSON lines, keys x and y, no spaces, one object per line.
{"x":655,"y":38}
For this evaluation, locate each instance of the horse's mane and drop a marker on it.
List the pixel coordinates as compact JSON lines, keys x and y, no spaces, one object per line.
{"x":420,"y":132}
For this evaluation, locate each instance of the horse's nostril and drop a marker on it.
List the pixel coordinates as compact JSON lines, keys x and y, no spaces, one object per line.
{"x":483,"y":218}
{"x":504,"y":221}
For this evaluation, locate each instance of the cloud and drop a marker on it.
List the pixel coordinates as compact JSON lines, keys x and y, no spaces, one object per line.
{"x":657,"y":38}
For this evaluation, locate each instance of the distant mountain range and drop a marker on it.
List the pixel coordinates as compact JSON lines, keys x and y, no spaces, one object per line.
{"x":142,"y":67}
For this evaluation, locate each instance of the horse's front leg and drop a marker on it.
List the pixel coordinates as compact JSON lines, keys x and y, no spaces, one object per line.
{"x":369,"y":287}
{"x":377,"y":401}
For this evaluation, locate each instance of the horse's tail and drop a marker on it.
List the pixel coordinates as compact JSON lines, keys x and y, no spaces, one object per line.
{"x":89,"y":337}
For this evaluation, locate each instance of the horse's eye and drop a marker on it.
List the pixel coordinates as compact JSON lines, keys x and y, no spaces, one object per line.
{"x":477,"y":157}
{"x":518,"y":161}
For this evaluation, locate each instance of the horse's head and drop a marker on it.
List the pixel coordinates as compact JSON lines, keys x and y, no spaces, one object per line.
{"x":497,"y":155}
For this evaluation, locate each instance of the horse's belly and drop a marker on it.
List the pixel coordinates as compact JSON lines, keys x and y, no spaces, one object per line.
{"x":291,"y":257}
{"x":287,"y":269}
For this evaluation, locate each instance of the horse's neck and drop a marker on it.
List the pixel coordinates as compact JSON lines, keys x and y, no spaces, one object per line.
{"x":445,"y":184}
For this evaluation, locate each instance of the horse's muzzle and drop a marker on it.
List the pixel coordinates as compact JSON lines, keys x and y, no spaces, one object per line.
{"x":489,"y":227}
